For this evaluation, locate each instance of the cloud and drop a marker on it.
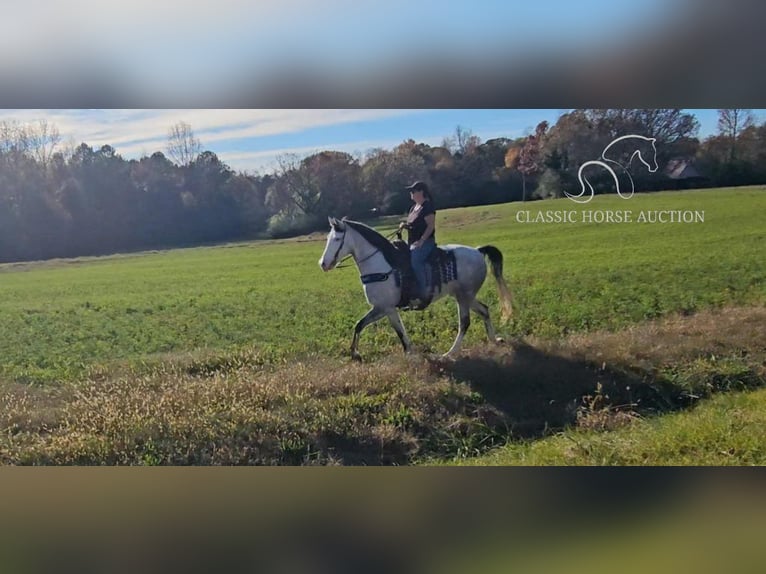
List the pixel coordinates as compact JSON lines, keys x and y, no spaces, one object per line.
{"x":135,"y":132}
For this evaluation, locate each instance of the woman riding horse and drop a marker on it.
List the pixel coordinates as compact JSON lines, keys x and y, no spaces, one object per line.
{"x":421,"y":237}
{"x":374,"y":255}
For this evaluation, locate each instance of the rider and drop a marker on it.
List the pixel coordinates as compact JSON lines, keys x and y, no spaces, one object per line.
{"x":421,"y":237}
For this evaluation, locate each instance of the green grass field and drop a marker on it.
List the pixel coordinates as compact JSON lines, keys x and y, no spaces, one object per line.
{"x":224,"y":309}
{"x":61,"y":318}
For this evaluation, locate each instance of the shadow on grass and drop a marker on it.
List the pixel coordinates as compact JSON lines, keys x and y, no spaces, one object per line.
{"x":540,"y":391}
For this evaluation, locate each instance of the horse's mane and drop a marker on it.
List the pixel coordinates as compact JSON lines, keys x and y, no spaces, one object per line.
{"x":375,"y":239}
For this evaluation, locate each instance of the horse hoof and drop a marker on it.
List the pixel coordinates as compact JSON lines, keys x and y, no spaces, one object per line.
{"x":356,"y":357}
{"x":499,"y":340}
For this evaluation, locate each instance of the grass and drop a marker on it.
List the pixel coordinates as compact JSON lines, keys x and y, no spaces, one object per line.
{"x":536,"y":402}
{"x":352,"y":414}
{"x":650,"y":395}
{"x":61,"y":320}
{"x":238,"y":354}
{"x":726,"y":430}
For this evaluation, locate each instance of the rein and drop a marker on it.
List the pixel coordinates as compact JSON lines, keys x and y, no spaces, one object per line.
{"x":340,"y":264}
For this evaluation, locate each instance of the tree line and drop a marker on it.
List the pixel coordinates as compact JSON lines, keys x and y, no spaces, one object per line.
{"x":80,"y":200}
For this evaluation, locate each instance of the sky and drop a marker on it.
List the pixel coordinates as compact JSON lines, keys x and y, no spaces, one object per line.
{"x":251,"y":140}
{"x":207,"y":45}
{"x":398,"y":53}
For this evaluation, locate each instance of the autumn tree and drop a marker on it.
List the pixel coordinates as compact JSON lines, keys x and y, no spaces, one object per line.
{"x":530,"y":158}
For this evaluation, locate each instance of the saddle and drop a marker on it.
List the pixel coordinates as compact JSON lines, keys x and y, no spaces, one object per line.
{"x":440,"y":269}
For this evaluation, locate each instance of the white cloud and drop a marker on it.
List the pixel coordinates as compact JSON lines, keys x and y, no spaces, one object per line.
{"x":134,"y":133}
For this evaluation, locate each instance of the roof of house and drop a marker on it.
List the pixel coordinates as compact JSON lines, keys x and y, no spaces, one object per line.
{"x":681,"y":169}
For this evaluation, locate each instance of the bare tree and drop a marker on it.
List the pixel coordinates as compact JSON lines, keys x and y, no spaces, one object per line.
{"x":38,"y":141}
{"x":14,"y":138}
{"x":731,"y":123}
{"x":182,"y":146}
{"x":462,"y":142}
{"x":43,"y":139}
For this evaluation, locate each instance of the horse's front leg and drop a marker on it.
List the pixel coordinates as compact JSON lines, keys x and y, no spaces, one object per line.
{"x":374,"y":314}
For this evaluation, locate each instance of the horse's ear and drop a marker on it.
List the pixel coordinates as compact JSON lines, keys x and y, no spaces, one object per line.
{"x":336,"y":225}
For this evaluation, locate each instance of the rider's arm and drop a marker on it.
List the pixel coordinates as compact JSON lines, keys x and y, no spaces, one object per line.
{"x":430,"y":227}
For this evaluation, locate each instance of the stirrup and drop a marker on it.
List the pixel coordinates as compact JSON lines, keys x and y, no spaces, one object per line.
{"x":419,"y":304}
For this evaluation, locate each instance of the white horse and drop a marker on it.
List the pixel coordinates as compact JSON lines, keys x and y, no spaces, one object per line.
{"x":375,"y":258}
{"x":644,"y":147}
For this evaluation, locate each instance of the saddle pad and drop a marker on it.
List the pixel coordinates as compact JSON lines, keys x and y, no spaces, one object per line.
{"x":443,"y":268}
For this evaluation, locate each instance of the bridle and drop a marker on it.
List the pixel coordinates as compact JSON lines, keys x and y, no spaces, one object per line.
{"x":335,"y":257}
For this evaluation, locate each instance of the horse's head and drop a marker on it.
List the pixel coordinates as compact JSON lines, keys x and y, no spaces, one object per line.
{"x":648,"y":155}
{"x":645,"y":148}
{"x":337,"y":246}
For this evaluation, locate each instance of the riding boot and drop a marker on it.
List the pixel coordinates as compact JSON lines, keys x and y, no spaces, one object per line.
{"x":420,"y":303}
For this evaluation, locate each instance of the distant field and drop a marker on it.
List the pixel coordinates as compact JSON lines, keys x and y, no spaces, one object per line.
{"x":62,"y":319}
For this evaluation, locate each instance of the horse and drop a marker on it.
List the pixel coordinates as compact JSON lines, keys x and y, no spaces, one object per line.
{"x":375,"y":257}
{"x":644,"y":144}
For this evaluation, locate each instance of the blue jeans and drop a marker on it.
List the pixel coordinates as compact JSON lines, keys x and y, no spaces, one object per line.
{"x":419,"y":257}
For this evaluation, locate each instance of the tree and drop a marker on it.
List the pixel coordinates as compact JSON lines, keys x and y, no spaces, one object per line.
{"x":463,"y":142}
{"x":581,"y":136}
{"x":734,"y":156}
{"x":297,"y":184}
{"x":182,"y":147}
{"x":385,"y":174}
{"x":671,"y":127}
{"x":512,"y":157}
{"x":666,"y":124}
{"x":337,"y":177}
{"x":530,"y":157}
{"x":731,"y":124}
{"x":43,"y":140}
{"x":14,"y":140}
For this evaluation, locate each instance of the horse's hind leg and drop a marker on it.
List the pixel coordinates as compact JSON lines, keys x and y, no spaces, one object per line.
{"x":374,"y":314}
{"x":396,"y":323}
{"x":483,"y":311}
{"x":464,"y":312}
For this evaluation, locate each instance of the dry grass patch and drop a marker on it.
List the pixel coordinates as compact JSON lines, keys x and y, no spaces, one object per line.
{"x":670,"y":340}
{"x":247,"y":408}
{"x":317,"y":412}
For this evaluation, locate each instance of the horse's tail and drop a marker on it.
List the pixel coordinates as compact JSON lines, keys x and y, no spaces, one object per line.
{"x":496,"y":259}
